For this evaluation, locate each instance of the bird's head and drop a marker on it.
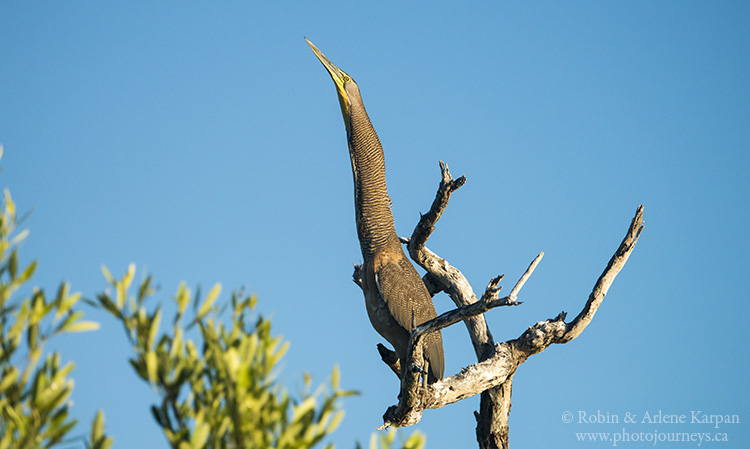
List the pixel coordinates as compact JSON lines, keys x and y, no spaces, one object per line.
{"x":345,"y":85}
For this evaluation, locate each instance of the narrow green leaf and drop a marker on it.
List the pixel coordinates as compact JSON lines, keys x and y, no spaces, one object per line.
{"x":139,"y":367}
{"x":154,"y":328}
{"x":16,"y":330}
{"x":374,"y":441}
{"x":144,"y":290}
{"x":64,"y":301}
{"x":200,"y":434}
{"x":106,"y":443}
{"x":61,"y":432}
{"x":21,"y":236}
{"x":151,"y":366}
{"x":108,"y":275}
{"x":109,"y":305}
{"x":231,"y":362}
{"x":53,"y":395}
{"x":38,"y":309}
{"x":97,"y":427}
{"x":68,"y":303}
{"x":9,"y":378}
{"x":307,"y":405}
{"x":280,"y":353}
{"x":212,"y":295}
{"x":122,"y":286}
{"x":32,"y":333}
{"x":182,"y":298}
{"x":13,"y":264}
{"x":336,"y":421}
{"x":415,"y":441}
{"x":83,"y":326}
{"x":128,"y":279}
{"x":160,"y":419}
{"x":68,"y":321}
{"x":62,"y":293}
{"x":335,"y":375}
{"x":10,"y":206}
{"x":176,"y":348}
{"x":60,"y":375}
{"x":27,"y":272}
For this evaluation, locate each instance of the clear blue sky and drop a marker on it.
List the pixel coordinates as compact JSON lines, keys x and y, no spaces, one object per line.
{"x":204,"y":143}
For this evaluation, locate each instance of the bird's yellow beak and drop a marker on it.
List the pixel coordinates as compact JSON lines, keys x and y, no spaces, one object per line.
{"x":339,"y":78}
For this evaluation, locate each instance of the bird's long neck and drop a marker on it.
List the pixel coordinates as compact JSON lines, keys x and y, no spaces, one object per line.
{"x":375,"y":226}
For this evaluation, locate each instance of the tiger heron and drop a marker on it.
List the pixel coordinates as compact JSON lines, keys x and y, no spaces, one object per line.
{"x":395,"y":296}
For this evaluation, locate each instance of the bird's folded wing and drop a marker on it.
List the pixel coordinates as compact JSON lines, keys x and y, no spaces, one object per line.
{"x":409,"y":302}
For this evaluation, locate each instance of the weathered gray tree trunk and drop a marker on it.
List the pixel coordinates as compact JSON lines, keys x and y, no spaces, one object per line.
{"x":492,"y":375}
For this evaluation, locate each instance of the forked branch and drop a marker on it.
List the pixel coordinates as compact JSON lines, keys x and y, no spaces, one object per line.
{"x":439,"y":271}
{"x":409,"y":409}
{"x":497,"y":363}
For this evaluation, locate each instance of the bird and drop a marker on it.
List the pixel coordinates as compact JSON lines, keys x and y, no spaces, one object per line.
{"x":395,"y":296}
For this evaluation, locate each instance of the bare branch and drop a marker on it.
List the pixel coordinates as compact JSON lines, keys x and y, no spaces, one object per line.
{"x":493,"y":288}
{"x":601,"y":288}
{"x":434,"y":286}
{"x":427,"y":222}
{"x":471,"y":381}
{"x":390,"y":358}
{"x":519,"y":285}
{"x":441,"y":274}
{"x":410,"y":405}
{"x":492,"y":419}
{"x":459,"y":314}
{"x":492,"y":376}
{"x":540,"y":336}
{"x":555,"y":330}
{"x":413,"y":399}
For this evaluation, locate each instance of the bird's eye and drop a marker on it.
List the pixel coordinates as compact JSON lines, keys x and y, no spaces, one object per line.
{"x":346,"y":78}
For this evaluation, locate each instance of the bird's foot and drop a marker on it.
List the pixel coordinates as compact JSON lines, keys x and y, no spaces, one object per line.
{"x":358,"y":277}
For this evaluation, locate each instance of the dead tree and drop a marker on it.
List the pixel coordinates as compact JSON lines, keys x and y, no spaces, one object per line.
{"x":492,"y":375}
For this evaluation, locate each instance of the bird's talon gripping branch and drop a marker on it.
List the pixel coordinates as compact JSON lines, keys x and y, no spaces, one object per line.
{"x":357,"y":276}
{"x":414,"y":368}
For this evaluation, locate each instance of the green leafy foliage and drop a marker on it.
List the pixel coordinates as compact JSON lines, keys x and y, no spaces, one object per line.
{"x":218,"y":389}
{"x":35,"y":386}
{"x":387,"y":440}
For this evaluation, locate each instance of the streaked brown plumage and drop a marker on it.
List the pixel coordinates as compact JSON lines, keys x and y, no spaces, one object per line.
{"x":395,"y":295}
